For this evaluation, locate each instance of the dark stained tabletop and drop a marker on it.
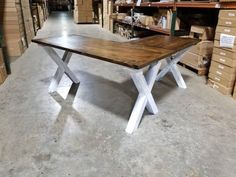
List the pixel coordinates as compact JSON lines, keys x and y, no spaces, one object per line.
{"x":134,"y":54}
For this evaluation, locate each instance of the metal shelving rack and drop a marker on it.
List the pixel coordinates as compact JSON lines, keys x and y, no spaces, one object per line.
{"x":174,"y":6}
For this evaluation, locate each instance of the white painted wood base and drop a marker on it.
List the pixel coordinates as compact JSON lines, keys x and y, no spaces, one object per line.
{"x":62,"y":68}
{"x":173,"y":68}
{"x":143,"y":82}
{"x":144,"y":85}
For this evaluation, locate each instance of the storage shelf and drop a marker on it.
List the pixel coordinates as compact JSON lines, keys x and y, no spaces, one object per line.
{"x":125,"y":5}
{"x":151,"y":27}
{"x":158,"y":29}
{"x":208,"y":5}
{"x":148,"y":4}
{"x":157,"y":4}
{"x":228,"y":5}
{"x":186,"y":4}
{"x":122,"y":21}
{"x":174,"y":6}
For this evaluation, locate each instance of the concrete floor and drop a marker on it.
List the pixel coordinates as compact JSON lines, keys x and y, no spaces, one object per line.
{"x":43,"y":135}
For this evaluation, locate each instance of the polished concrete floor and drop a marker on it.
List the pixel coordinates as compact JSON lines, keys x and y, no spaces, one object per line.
{"x":43,"y":135}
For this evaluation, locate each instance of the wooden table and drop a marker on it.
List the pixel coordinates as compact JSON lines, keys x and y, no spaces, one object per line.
{"x":135,"y":55}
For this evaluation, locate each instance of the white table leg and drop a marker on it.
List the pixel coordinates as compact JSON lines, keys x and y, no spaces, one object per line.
{"x":59,"y":73}
{"x":172,"y":66}
{"x":62,"y":68}
{"x":177,"y":75}
{"x":144,"y":85}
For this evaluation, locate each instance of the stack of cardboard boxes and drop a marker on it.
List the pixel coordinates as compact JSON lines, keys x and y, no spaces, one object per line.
{"x":44,"y":5}
{"x":13,"y":27}
{"x":3,"y":72}
{"x":83,"y":11}
{"x":107,"y":12}
{"x":38,"y":17}
{"x":199,"y":56}
{"x":223,"y":66}
{"x":28,"y":21}
{"x":39,"y":13}
{"x":18,"y":24}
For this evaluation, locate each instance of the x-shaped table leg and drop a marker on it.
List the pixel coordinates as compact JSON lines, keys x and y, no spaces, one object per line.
{"x":144,"y":85}
{"x":172,"y":66}
{"x":62,"y":68}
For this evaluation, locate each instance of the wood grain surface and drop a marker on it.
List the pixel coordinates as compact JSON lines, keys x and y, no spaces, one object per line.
{"x":134,"y":54}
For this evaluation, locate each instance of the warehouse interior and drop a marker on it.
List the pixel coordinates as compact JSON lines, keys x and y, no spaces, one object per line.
{"x":80,"y":129}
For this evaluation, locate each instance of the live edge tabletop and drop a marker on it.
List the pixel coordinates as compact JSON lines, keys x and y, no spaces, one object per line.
{"x":135,"y":54}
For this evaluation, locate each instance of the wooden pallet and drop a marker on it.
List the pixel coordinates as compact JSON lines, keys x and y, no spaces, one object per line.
{"x":198,"y":71}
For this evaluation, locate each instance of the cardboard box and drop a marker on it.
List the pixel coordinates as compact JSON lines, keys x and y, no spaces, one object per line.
{"x":224,"y":53}
{"x":217,"y":37}
{"x":203,"y":48}
{"x":224,"y":60}
{"x":227,"y":22}
{"x":217,"y":44}
{"x":83,"y":11}
{"x":15,"y":21}
{"x":202,"y":32}
{"x":234,"y":95}
{"x":146,"y":20}
{"x":15,"y":48}
{"x":121,"y":16}
{"x":3,"y":74}
{"x":224,"y":90}
{"x":1,"y":57}
{"x":226,"y":30}
{"x":220,"y":80}
{"x":227,"y":14}
{"x":83,"y":16}
{"x":107,"y":11}
{"x":220,"y":73}
{"x":223,"y":68}
{"x":194,"y":60}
